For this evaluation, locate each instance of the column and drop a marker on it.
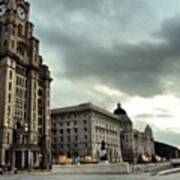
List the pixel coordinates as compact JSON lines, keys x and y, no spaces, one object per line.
{"x":22,"y":159}
{"x":32,"y":159}
{"x":37,"y":159}
{"x":13,"y":160}
{"x":29,"y":160}
{"x":2,"y":156}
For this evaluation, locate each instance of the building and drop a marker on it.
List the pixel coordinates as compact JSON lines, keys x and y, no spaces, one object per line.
{"x":25,"y":126}
{"x":127,"y":137}
{"x":136,"y":146}
{"x":86,"y":130}
{"x":144,"y":149}
{"x":166,"y":151}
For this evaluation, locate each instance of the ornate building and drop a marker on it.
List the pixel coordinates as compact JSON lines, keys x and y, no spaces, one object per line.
{"x":86,"y":130}
{"x":127,"y":138}
{"x":166,"y":151}
{"x":89,"y":130}
{"x":25,"y":126}
{"x":136,"y":146}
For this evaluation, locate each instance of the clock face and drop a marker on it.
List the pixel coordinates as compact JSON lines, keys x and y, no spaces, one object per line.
{"x":3,"y":9}
{"x":21,"y":12}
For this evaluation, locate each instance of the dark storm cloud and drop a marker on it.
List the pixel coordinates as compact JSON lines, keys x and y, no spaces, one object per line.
{"x":138,"y":69}
{"x":115,"y":43}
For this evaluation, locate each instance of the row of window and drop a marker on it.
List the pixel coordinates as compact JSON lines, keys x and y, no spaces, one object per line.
{"x":68,"y":123}
{"x":9,"y":97}
{"x":69,"y":146}
{"x":69,"y":138}
{"x":70,"y":116}
{"x":75,"y":130}
{"x":22,"y":82}
{"x":11,"y":29}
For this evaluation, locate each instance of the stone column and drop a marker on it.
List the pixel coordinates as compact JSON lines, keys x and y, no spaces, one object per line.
{"x":2,"y":156}
{"x":22,"y":159}
{"x":32,"y":159}
{"x":37,"y":158}
{"x":29,"y":160}
{"x":13,"y":160}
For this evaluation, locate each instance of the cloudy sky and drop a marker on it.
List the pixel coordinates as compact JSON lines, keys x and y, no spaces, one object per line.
{"x":109,"y":51}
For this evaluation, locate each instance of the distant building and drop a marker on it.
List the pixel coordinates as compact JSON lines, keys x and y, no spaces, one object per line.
{"x":136,"y":146}
{"x":25,"y":126}
{"x":127,"y":139}
{"x":89,"y":130}
{"x":144,"y":145}
{"x":166,"y":151}
{"x":86,"y":130}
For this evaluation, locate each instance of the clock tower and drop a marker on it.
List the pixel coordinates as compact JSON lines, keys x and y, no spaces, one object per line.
{"x":25,"y":125}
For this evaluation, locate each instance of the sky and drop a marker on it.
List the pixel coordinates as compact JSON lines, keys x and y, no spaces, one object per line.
{"x":110,"y":51}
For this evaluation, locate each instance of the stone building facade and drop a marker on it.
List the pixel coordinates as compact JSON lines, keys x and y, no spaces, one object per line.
{"x":25,"y":126}
{"x":127,"y":137}
{"x":136,"y":146}
{"x":86,"y":130}
{"x":144,"y":145}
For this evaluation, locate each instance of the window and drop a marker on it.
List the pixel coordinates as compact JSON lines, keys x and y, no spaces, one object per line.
{"x":20,"y":28}
{"x":85,"y":136}
{"x":6,"y":42}
{"x":40,"y":92}
{"x":8,"y":138}
{"x":40,"y":121}
{"x":68,"y":123}
{"x":10,"y":74}
{"x":75,"y":145}
{"x":68,"y":131}
{"x":20,"y":50}
{"x":76,"y":138}
{"x":61,"y":131}
{"x":75,"y":122}
{"x":85,"y":121}
{"x":55,"y":140}
{"x":75,"y":130}
{"x":9,"y":98}
{"x":9,"y":110}
{"x":85,"y":129}
{"x":10,"y":86}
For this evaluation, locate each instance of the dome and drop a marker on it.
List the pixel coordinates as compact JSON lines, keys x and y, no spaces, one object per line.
{"x":119,"y":110}
{"x":148,"y":128}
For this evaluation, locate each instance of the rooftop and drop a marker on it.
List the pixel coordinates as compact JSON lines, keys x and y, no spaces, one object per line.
{"x":84,"y":107}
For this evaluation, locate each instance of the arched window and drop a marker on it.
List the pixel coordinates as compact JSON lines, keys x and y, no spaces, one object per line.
{"x":5,"y":42}
{"x":20,"y":30}
{"x":21,"y":48}
{"x":18,"y":126}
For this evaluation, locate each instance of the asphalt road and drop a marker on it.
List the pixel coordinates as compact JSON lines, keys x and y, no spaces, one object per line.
{"x":87,"y":177}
